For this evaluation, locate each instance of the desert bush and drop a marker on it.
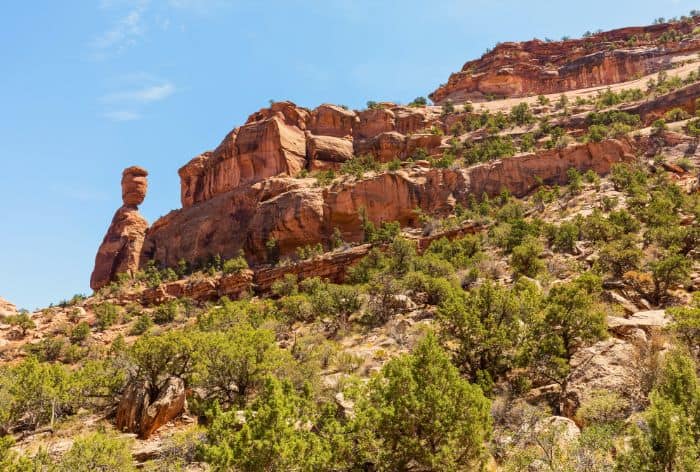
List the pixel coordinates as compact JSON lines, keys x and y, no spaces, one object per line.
{"x":235,"y":265}
{"x":106,"y":314}
{"x":525,"y":258}
{"x":444,"y":426}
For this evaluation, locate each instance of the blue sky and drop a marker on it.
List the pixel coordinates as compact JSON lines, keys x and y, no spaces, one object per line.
{"x":90,"y":87}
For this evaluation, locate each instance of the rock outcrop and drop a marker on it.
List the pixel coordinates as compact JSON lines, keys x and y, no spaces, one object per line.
{"x":285,"y":139}
{"x":522,"y":174}
{"x":7,"y":308}
{"x":608,"y":365}
{"x":648,"y":322}
{"x":298,"y":212}
{"x":120,"y":250}
{"x":539,"y":67}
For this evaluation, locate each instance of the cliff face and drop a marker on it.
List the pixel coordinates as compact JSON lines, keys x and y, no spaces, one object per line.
{"x":538,"y":67}
{"x":253,"y":189}
{"x":284,"y":139}
{"x":296,"y":212}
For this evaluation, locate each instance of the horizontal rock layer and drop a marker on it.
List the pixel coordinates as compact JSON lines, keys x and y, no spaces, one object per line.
{"x":297,"y":212}
{"x":539,"y":67}
{"x":285,"y":139}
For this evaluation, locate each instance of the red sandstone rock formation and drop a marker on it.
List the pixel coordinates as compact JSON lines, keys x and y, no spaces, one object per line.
{"x":136,"y":413}
{"x":120,"y":250}
{"x":522,"y":174}
{"x":326,"y":152}
{"x":296,"y":212}
{"x":332,"y":120}
{"x":538,"y":67}
{"x":285,"y":138}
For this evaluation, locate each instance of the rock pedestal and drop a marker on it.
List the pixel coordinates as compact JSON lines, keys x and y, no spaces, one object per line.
{"x":121,"y":247}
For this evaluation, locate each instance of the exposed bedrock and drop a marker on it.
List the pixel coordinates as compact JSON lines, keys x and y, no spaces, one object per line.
{"x":540,"y":67}
{"x":297,"y":212}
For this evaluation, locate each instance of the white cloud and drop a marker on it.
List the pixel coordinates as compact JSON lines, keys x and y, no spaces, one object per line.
{"x":123,"y":34}
{"x":122,"y":115}
{"x":198,"y":6}
{"x":147,"y":94}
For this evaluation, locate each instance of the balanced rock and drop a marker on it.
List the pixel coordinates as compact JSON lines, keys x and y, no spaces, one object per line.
{"x":120,"y":250}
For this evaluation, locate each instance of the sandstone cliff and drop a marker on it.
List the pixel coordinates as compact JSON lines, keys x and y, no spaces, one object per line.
{"x":539,"y":67}
{"x":297,"y":212}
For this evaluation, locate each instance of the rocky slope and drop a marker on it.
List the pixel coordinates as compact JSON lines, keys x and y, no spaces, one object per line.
{"x":552,"y":247}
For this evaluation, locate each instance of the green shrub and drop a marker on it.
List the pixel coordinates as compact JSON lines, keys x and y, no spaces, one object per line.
{"x":597,"y":133}
{"x":235,"y":265}
{"x":359,"y":165}
{"x":418,"y":102}
{"x":80,"y":332}
{"x":23,"y":321}
{"x":436,"y":288}
{"x":563,"y":237}
{"x":693,"y":127}
{"x":285,"y":286}
{"x":575,"y":180}
{"x":602,"y":407}
{"x":486,"y":326}
{"x":143,"y":323}
{"x":527,"y":142}
{"x":270,"y":439}
{"x":658,"y":126}
{"x":309,"y":251}
{"x":525,"y":258}
{"x":448,"y":107}
{"x":166,"y":313}
{"x":98,"y":451}
{"x":493,"y":147}
{"x":460,"y":253}
{"x":106,"y":314}
{"x":521,"y":114}
{"x":620,"y":256}
{"x":676,"y":114}
{"x":670,"y":438}
{"x":420,"y":411}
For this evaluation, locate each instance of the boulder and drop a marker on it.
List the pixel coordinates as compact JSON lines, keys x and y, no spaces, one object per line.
{"x":328,"y":149}
{"x":427,"y":141}
{"x":649,"y":321}
{"x":385,"y":146}
{"x":565,"y":429}
{"x":410,"y":120}
{"x":332,"y":120}
{"x":134,"y":185}
{"x":168,"y":405}
{"x":132,"y":405}
{"x":136,"y":413}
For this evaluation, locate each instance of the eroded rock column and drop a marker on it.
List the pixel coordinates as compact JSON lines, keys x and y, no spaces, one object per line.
{"x":121,"y":247}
